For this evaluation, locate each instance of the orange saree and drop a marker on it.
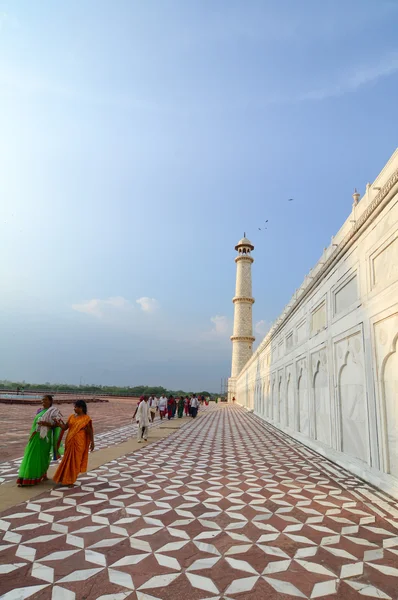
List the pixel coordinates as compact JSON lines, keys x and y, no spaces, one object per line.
{"x":76,"y":450}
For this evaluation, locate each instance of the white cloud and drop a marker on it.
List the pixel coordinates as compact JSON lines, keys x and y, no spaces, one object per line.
{"x":262,"y":327}
{"x":148,"y":304}
{"x":221,"y":325}
{"x":99,"y":308}
{"x":352,"y":80}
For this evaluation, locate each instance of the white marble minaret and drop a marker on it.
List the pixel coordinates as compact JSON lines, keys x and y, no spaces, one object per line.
{"x":242,"y":338}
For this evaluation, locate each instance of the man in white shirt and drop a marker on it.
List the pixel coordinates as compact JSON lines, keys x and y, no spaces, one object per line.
{"x":153,"y":406}
{"x":194,"y":406}
{"x":143,"y":417}
{"x":162,"y":407}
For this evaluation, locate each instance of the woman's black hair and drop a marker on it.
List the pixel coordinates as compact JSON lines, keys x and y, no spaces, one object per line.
{"x":50,"y":398}
{"x":81,"y":404}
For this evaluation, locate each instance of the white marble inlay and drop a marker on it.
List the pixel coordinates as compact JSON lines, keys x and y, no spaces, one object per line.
{"x":10,"y":567}
{"x":324,"y":588}
{"x":351,"y":570}
{"x":26,"y":553}
{"x":392,"y":571}
{"x":168,"y":561}
{"x":159,"y":581}
{"x":133,"y":559}
{"x":209,"y":548}
{"x":43,"y":572}
{"x":368,"y":590}
{"x":245,"y":584}
{"x":22,"y":593}
{"x":95,"y":557}
{"x":202,"y":583}
{"x":123,"y":595}
{"x":121,"y":578}
{"x":277,"y":566}
{"x":60,"y":593}
{"x":80,"y":575}
{"x":284,"y":587}
{"x":241,"y":565}
{"x":315,"y":568}
{"x":204,"y":563}
{"x":274,"y":551}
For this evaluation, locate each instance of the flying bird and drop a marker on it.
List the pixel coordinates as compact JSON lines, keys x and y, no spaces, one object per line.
{"x":266,"y":221}
{"x":290,"y":200}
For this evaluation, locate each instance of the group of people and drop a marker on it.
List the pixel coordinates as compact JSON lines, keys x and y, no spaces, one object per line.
{"x":45,"y":443}
{"x":48,"y":428}
{"x":148,"y":406}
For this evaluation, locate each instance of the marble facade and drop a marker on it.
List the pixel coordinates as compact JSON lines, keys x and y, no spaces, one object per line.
{"x":327,"y":371}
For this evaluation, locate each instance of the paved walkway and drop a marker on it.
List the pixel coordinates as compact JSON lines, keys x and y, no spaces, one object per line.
{"x":225,"y":508}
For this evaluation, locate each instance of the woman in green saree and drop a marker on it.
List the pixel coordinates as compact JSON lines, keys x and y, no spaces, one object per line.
{"x":180,"y":407}
{"x":42,"y":445}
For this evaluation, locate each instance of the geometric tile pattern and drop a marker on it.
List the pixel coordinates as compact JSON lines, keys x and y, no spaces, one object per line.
{"x":225,"y":508}
{"x":9,"y":469}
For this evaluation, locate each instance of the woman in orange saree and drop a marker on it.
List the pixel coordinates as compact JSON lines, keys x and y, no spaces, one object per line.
{"x":79,"y":440}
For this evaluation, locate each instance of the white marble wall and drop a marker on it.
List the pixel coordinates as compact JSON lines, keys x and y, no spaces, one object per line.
{"x":327,"y":372}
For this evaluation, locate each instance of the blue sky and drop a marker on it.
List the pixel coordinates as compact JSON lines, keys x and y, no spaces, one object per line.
{"x":138,"y":140}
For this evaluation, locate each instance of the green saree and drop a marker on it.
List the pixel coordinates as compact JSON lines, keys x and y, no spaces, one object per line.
{"x":180,"y":407}
{"x":37,"y":454}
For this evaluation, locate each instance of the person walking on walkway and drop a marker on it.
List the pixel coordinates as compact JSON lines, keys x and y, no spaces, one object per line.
{"x":162,"y":407}
{"x":186,"y":406}
{"x":42,"y":445}
{"x":153,"y":406}
{"x":143,"y":418}
{"x":180,"y":407}
{"x":79,"y":440}
{"x":171,"y":403}
{"x":194,"y":406}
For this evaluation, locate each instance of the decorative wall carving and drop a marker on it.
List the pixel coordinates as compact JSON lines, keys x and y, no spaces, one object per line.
{"x":345,"y":295}
{"x":321,"y":397}
{"x":384,"y":264}
{"x":386,"y":336}
{"x":351,"y":397}
{"x":318,"y":319}
{"x":303,"y":397}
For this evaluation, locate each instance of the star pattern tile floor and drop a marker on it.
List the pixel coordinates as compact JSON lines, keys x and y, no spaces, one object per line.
{"x":226,"y":508}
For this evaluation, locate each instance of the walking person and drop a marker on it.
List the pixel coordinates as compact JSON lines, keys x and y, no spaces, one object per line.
{"x":180,"y":407}
{"x":162,"y":407}
{"x":186,"y":406}
{"x":79,"y":440}
{"x":143,"y":418}
{"x":194,"y":406}
{"x":42,"y":445}
{"x":171,"y":407}
{"x":153,"y":406}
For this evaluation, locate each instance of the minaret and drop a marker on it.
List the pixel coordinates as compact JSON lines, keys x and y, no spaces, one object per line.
{"x":242,"y":338}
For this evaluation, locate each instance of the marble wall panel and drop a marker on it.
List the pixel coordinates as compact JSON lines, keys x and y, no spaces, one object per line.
{"x":351,"y":396}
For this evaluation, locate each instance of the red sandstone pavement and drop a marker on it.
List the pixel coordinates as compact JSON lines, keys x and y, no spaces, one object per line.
{"x":16,"y":421}
{"x":225,"y":508}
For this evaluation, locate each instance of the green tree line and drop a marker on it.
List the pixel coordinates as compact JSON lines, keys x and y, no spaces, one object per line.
{"x":113,"y":390}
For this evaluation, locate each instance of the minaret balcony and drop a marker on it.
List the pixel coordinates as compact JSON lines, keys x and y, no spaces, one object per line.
{"x":246,"y":299}
{"x":244,"y":258}
{"x":242,"y":338}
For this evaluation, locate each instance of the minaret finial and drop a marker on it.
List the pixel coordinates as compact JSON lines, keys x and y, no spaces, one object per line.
{"x":244,"y":234}
{"x":356,"y":195}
